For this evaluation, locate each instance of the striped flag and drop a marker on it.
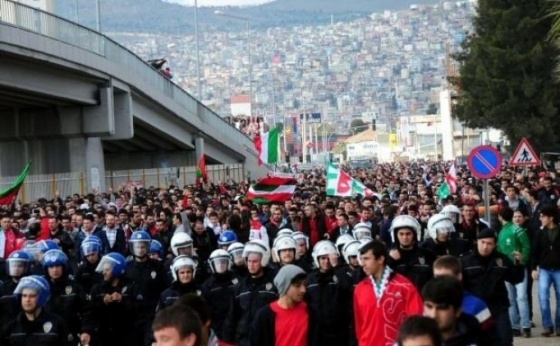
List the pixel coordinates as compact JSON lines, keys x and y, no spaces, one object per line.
{"x":272,"y":190}
{"x":9,"y":195}
{"x":268,"y":146}
{"x":449,"y":186}
{"x":340,"y":183}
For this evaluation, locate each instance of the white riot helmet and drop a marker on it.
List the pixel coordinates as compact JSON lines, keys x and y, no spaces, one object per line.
{"x":453,"y":212}
{"x":283,"y":232}
{"x":219,"y":261}
{"x":182,"y":262}
{"x":343,"y":240}
{"x":284,"y":243}
{"x":300,"y":237}
{"x":235,"y":251}
{"x":351,"y":249}
{"x":361,"y":230}
{"x":440,"y":223}
{"x":179,"y":241}
{"x":404,"y":221}
{"x":257,"y":246}
{"x":323,"y":248}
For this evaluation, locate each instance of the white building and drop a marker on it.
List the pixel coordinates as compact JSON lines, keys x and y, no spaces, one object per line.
{"x":45,"y":5}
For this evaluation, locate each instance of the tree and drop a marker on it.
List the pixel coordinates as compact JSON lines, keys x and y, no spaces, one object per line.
{"x":357,"y":126}
{"x":432,"y":109}
{"x":506,"y":72}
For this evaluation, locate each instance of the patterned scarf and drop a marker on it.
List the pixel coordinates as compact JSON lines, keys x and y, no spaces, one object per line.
{"x":380,"y":287}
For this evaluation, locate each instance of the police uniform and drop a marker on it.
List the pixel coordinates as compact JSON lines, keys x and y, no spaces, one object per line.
{"x":175,"y":291}
{"x":415,"y":264}
{"x":250,"y":295}
{"x":87,"y":277}
{"x":46,"y":330}
{"x":218,"y":291}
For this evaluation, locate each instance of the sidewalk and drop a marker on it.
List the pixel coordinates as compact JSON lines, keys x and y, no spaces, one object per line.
{"x":537,"y":339}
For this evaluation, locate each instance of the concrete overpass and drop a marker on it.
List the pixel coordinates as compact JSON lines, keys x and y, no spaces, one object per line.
{"x":72,"y":99}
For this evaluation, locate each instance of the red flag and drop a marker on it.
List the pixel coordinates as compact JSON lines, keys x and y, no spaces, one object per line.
{"x":201,"y":172}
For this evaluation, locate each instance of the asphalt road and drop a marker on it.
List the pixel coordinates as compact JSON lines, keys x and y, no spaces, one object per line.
{"x":537,"y":339}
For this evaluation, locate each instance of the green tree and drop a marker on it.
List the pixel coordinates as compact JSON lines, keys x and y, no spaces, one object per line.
{"x":357,"y":126}
{"x":432,"y":109}
{"x":506,"y":74}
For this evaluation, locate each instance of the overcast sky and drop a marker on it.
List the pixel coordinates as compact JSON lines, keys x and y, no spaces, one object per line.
{"x":221,"y":2}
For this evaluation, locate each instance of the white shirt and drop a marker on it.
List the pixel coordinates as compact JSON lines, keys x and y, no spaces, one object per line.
{"x":2,"y":243}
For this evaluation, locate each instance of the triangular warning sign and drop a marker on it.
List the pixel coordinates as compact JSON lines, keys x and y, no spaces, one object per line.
{"x":525,"y":155}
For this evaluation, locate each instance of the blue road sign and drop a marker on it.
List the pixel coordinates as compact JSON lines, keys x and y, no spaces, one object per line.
{"x":485,"y":162}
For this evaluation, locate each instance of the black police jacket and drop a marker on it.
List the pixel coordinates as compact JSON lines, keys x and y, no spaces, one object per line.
{"x":250,"y":295}
{"x":46,"y":330}
{"x":9,"y":303}
{"x":175,"y":291}
{"x":115,"y":316}
{"x":149,"y":278}
{"x":87,"y":277}
{"x":330,"y":295}
{"x":68,"y":300}
{"x":456,"y":247}
{"x":485,"y":277}
{"x":218,"y":290}
{"x":415,"y":265}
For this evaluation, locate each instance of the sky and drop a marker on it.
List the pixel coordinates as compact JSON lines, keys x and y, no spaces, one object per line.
{"x":220,"y":2}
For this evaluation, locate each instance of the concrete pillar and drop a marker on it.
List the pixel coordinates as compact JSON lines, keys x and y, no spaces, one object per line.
{"x":95,"y":164}
{"x":446,"y":125}
{"x":198,"y":146}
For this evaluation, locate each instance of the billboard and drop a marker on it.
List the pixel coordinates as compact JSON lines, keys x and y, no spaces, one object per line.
{"x":366,"y":148}
{"x":311,"y":118}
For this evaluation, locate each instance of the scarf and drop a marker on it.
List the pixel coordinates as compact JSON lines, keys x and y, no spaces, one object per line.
{"x":380,"y":287}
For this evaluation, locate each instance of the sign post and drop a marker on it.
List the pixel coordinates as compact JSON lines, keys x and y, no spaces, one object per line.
{"x":485,"y":162}
{"x":525,"y":155}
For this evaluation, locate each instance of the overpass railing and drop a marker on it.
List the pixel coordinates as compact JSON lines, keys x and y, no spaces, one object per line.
{"x":47,"y":185}
{"x":66,"y":31}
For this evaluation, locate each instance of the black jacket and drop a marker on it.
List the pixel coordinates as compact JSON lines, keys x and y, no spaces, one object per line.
{"x":250,"y":295}
{"x":263,"y":328}
{"x":150,"y":282}
{"x":330,"y":295}
{"x":68,"y":300}
{"x":175,"y":291}
{"x":485,"y":277}
{"x":120,"y":242}
{"x":218,"y":290}
{"x":46,"y":330}
{"x":467,"y":332}
{"x":456,"y":247}
{"x":546,"y":254}
{"x":415,"y":265}
{"x":9,"y":303}
{"x":86,"y":276}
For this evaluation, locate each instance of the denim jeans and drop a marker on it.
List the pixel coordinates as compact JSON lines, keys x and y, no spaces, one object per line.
{"x":519,"y":304}
{"x":546,"y":279}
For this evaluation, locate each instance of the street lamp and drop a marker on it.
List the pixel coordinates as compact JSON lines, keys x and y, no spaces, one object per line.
{"x":224,"y":14}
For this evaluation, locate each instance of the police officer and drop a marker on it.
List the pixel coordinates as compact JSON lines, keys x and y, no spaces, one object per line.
{"x":252,"y":293}
{"x":219,"y":288}
{"x":67,"y":299}
{"x":330,"y":295}
{"x":156,"y":250}
{"x":149,"y":278}
{"x":238,"y":267}
{"x":181,"y":244}
{"x":442,"y":238}
{"x":485,"y":272}
{"x":33,"y":325}
{"x":41,"y":247}
{"x":351,"y":268}
{"x":113,"y":303}
{"x":18,"y":265}
{"x":406,"y":258}
{"x":284,"y":251}
{"x":303,"y":258}
{"x":86,"y":275}
{"x":183,"y":270}
{"x":226,"y":238}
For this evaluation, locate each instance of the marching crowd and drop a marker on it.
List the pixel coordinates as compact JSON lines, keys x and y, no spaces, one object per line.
{"x":202,"y":266}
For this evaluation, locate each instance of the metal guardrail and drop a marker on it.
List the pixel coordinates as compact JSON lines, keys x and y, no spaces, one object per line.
{"x":63,"y":30}
{"x":46,"y":185}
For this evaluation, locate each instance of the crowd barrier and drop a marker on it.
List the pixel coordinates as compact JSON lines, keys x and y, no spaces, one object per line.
{"x":47,"y":185}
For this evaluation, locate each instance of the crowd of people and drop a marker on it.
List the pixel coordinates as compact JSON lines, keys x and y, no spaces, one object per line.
{"x":203,"y":266}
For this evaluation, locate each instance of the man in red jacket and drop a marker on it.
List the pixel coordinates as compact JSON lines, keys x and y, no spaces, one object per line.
{"x":383,"y":300}
{"x":8,"y":238}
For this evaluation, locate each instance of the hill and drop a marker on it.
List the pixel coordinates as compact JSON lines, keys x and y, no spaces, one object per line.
{"x":153,"y":16}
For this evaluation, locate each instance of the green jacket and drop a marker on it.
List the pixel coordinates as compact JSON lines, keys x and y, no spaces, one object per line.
{"x":514,"y":238}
